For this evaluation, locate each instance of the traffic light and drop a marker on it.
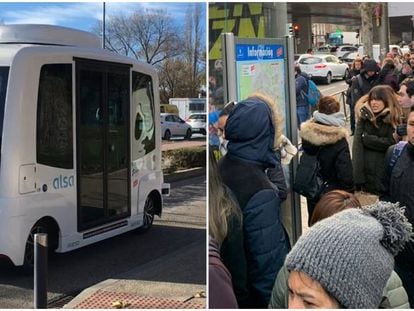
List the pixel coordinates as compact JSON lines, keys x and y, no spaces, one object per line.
{"x":296,"y":30}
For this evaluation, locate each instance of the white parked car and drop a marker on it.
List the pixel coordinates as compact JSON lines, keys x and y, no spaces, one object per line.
{"x":322,"y":66}
{"x":173,"y":126}
{"x":198,"y":122}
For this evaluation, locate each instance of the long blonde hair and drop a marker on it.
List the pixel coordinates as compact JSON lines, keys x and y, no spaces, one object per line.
{"x":277,"y":119}
{"x":221,"y":206}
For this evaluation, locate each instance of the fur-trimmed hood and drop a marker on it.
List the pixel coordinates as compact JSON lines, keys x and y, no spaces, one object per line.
{"x":320,"y":134}
{"x":277,"y":119}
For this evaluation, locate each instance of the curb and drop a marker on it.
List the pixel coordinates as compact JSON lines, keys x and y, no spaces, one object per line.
{"x":185,"y":174}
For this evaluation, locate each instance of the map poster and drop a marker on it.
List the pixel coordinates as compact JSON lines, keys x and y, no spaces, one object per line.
{"x":261,"y":68}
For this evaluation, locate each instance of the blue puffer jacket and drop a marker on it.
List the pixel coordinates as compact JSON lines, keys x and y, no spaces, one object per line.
{"x":250,"y":132}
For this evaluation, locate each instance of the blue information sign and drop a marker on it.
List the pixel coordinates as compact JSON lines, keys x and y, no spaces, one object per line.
{"x":256,"y":52}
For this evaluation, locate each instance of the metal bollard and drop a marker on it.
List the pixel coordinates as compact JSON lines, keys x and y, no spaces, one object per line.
{"x":40,"y":270}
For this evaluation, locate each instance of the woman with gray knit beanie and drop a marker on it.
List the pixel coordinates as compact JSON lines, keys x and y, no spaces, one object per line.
{"x":344,"y":261}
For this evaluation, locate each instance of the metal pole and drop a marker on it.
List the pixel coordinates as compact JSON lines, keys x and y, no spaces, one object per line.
{"x":103,"y":27}
{"x":229,"y":69}
{"x":40,"y":270}
{"x":292,"y":132}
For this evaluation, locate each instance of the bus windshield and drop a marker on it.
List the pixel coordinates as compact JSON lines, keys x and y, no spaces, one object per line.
{"x":4,"y":77}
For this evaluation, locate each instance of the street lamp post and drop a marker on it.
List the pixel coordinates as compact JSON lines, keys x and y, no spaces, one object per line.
{"x":103,"y":27}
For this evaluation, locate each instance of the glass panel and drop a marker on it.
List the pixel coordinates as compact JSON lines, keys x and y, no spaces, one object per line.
{"x":118,"y":100}
{"x":4,"y":77}
{"x":54,"y":116}
{"x":143,"y":107}
{"x":91,"y":152}
{"x":310,"y":60}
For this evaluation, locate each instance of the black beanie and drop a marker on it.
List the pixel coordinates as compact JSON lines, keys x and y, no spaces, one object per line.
{"x":370,"y":65}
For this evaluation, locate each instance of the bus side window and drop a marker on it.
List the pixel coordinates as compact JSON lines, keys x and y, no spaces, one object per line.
{"x":143,"y":103}
{"x":54,"y":135}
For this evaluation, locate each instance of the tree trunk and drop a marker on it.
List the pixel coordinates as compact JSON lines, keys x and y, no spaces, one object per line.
{"x":367,"y":28}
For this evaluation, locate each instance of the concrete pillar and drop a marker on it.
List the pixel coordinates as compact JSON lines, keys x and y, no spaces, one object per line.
{"x":277,"y":20}
{"x":304,"y":41}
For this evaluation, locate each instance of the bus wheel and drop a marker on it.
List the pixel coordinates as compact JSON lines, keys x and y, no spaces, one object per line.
{"x":188,"y":134}
{"x":28,"y":264}
{"x":149,"y":212}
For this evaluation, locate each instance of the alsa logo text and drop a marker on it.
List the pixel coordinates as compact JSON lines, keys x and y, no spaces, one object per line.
{"x":63,"y":182}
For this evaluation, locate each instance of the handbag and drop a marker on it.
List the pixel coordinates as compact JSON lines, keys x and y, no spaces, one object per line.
{"x":308,"y":180}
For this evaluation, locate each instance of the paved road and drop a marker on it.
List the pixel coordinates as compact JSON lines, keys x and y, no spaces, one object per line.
{"x":182,"y":223}
{"x":335,"y":87}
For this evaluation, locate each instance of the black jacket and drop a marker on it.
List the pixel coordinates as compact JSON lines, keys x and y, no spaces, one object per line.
{"x":334,"y":155}
{"x":360,"y":89}
{"x":398,"y":186}
{"x":369,"y":148}
{"x":352,"y":73}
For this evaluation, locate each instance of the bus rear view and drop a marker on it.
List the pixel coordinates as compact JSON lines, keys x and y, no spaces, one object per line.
{"x":80,"y":147}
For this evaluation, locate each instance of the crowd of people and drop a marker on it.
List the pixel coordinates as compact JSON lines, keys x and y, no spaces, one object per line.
{"x":352,"y":256}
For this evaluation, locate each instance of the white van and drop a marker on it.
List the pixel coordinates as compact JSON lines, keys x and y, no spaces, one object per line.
{"x":80,"y":141}
{"x":376,"y":51}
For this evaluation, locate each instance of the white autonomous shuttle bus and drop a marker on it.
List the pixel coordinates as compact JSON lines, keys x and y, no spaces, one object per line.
{"x":80,"y":141}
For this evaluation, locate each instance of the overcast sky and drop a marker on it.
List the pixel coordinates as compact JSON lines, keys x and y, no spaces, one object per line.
{"x":82,"y":15}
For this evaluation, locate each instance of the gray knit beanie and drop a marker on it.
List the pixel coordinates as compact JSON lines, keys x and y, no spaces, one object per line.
{"x":351,"y":254}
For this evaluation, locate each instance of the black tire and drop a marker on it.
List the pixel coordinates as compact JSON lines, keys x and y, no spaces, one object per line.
{"x":328,"y":78}
{"x":346,"y":73}
{"x":28,"y":263}
{"x":203,"y":132}
{"x":188,"y":134}
{"x":167,"y":135}
{"x":149,"y":213}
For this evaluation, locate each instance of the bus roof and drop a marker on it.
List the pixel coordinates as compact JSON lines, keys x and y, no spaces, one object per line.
{"x":9,"y":51}
{"x":47,"y":34}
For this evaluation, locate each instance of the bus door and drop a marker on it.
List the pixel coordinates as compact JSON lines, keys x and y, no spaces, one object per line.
{"x":102,"y":135}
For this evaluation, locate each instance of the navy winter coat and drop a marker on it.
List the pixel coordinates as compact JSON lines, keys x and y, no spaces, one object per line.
{"x":301,"y":89}
{"x":250,"y":132}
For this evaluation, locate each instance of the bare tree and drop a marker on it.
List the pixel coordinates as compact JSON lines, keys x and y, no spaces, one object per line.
{"x":150,"y":36}
{"x":153,"y":37}
{"x":367,"y":28}
{"x":194,"y":47}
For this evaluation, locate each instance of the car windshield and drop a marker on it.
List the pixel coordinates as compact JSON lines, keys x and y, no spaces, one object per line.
{"x":4,"y":77}
{"x":310,"y":60}
{"x":200,"y":117}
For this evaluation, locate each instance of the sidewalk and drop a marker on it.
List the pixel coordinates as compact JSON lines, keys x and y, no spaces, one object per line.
{"x":132,"y":290}
{"x":173,"y":281}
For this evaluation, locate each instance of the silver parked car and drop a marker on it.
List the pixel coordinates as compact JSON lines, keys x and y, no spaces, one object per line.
{"x":198,"y":122}
{"x":323,"y":66}
{"x":173,"y":126}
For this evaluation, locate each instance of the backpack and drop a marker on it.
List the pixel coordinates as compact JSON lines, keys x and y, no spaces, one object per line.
{"x":313,"y":95}
{"x":396,"y":153}
{"x":308,"y":180}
